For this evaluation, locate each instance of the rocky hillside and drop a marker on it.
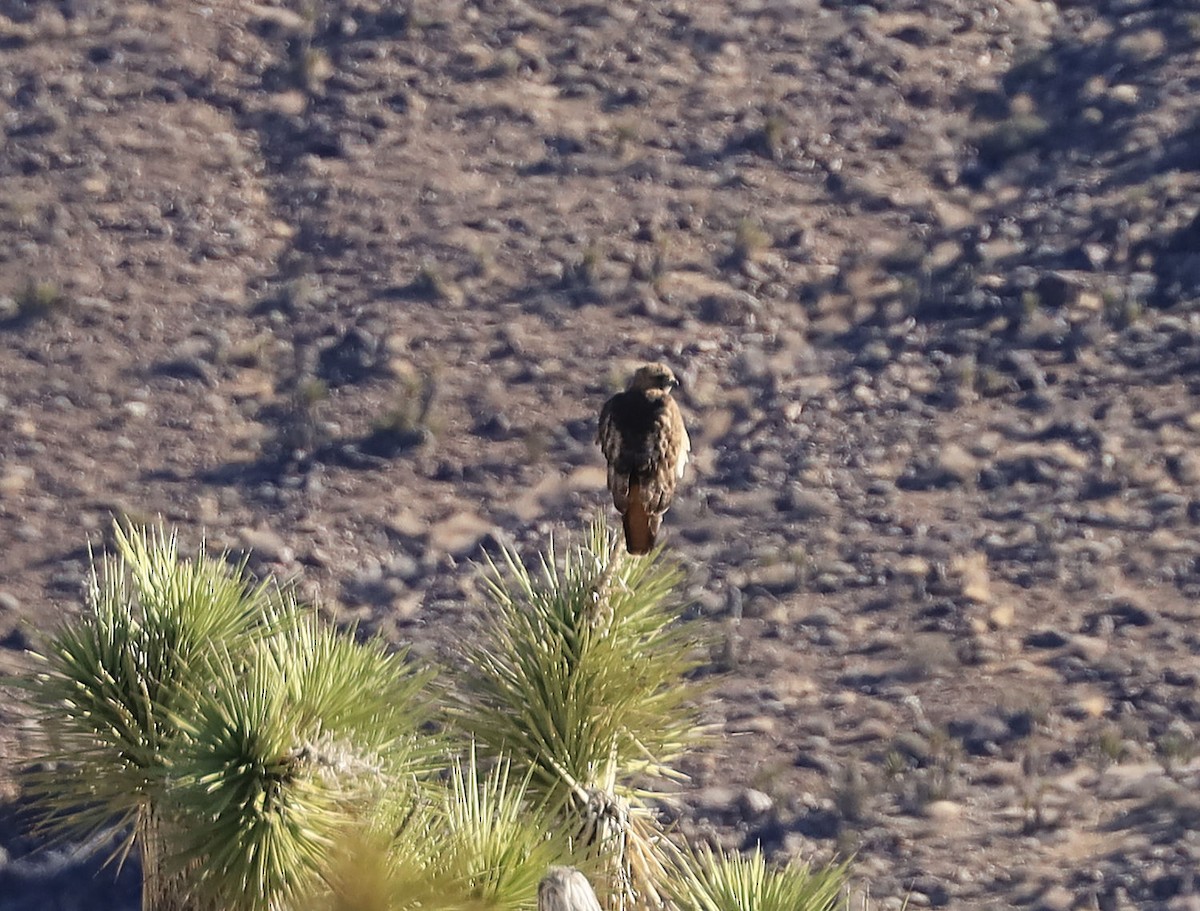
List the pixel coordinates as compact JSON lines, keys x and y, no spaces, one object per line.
{"x":343,"y":283}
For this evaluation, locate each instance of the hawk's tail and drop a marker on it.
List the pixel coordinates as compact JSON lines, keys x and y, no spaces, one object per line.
{"x":641,"y":527}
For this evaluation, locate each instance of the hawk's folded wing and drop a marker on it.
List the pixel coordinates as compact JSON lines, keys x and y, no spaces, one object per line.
{"x":612,"y":444}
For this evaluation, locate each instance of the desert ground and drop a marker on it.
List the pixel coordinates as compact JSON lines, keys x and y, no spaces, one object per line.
{"x":342,"y":285}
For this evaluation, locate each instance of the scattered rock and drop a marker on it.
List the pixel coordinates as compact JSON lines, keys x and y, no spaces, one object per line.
{"x":1047,"y":638}
{"x":953,"y":461}
{"x":459,"y":534}
{"x":266,"y":545}
{"x":754,"y":803}
{"x":943,"y":811}
{"x":354,"y":356}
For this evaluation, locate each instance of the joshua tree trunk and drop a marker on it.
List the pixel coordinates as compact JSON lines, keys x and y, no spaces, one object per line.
{"x":163,"y":888}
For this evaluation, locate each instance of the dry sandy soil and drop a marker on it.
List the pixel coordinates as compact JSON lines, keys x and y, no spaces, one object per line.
{"x":345,"y":282}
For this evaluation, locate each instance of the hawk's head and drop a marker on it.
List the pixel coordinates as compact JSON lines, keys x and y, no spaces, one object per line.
{"x":653,"y":378}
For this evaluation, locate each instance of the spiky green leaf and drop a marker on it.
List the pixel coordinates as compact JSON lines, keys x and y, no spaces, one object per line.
{"x":709,"y":880}
{"x":582,"y":668}
{"x":109,"y":683}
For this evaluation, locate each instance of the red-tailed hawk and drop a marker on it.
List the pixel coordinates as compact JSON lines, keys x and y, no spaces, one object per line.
{"x":643,"y":438}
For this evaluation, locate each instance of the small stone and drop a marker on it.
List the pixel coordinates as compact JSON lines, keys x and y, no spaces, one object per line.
{"x":716,"y":799}
{"x":821,"y":618}
{"x":15,"y":480}
{"x":1093,"y":706}
{"x":943,"y":810}
{"x":459,"y":534}
{"x":1124,"y":94}
{"x":1002,"y":615}
{"x":1090,"y":648}
{"x":1142,"y":45}
{"x":913,"y":567}
{"x":1056,"y":898}
{"x":981,"y":736}
{"x":874,"y":355}
{"x":1135,"y":781}
{"x":955,"y":462}
{"x":755,"y":803}
{"x":266,"y":545}
{"x":777,"y":578}
{"x":1097,"y":256}
{"x":403,"y":566}
{"x":1184,"y":467}
{"x":406,"y":606}
{"x":406,"y":524}
{"x":972,"y":574}
{"x":803,"y":503}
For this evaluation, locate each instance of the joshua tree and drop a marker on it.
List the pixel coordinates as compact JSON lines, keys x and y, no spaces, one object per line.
{"x":262,"y":760}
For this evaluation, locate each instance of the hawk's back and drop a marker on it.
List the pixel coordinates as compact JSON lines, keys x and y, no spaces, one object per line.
{"x":630,"y":426}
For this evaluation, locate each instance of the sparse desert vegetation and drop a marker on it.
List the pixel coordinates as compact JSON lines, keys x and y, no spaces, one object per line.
{"x":255,"y":757}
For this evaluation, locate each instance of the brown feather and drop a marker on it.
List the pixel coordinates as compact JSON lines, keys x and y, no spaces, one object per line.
{"x":639,"y":527}
{"x":643,"y":438}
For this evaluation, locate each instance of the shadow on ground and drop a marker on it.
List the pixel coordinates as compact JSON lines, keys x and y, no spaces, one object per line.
{"x":36,"y":876}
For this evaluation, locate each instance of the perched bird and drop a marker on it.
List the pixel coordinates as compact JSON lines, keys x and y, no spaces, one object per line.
{"x":566,"y":889}
{"x":643,"y":438}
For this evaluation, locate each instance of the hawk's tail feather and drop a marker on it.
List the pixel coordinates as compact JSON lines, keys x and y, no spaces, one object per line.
{"x":640,"y":527}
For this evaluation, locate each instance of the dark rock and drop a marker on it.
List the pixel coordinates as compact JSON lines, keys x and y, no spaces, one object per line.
{"x":803,"y":503}
{"x":1127,"y":613}
{"x":1046,"y":638}
{"x":981,"y":736}
{"x":1058,"y":289}
{"x":16,"y":640}
{"x":191,"y":368}
{"x":494,"y":427}
{"x":818,"y":823}
{"x":355,"y":356}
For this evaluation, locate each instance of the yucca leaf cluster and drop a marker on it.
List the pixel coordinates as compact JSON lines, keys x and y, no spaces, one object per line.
{"x":577,"y":676}
{"x":470,"y":841}
{"x":576,"y":671}
{"x":112,"y":686}
{"x":232,"y":733}
{"x":708,"y":880}
{"x":309,"y":731}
